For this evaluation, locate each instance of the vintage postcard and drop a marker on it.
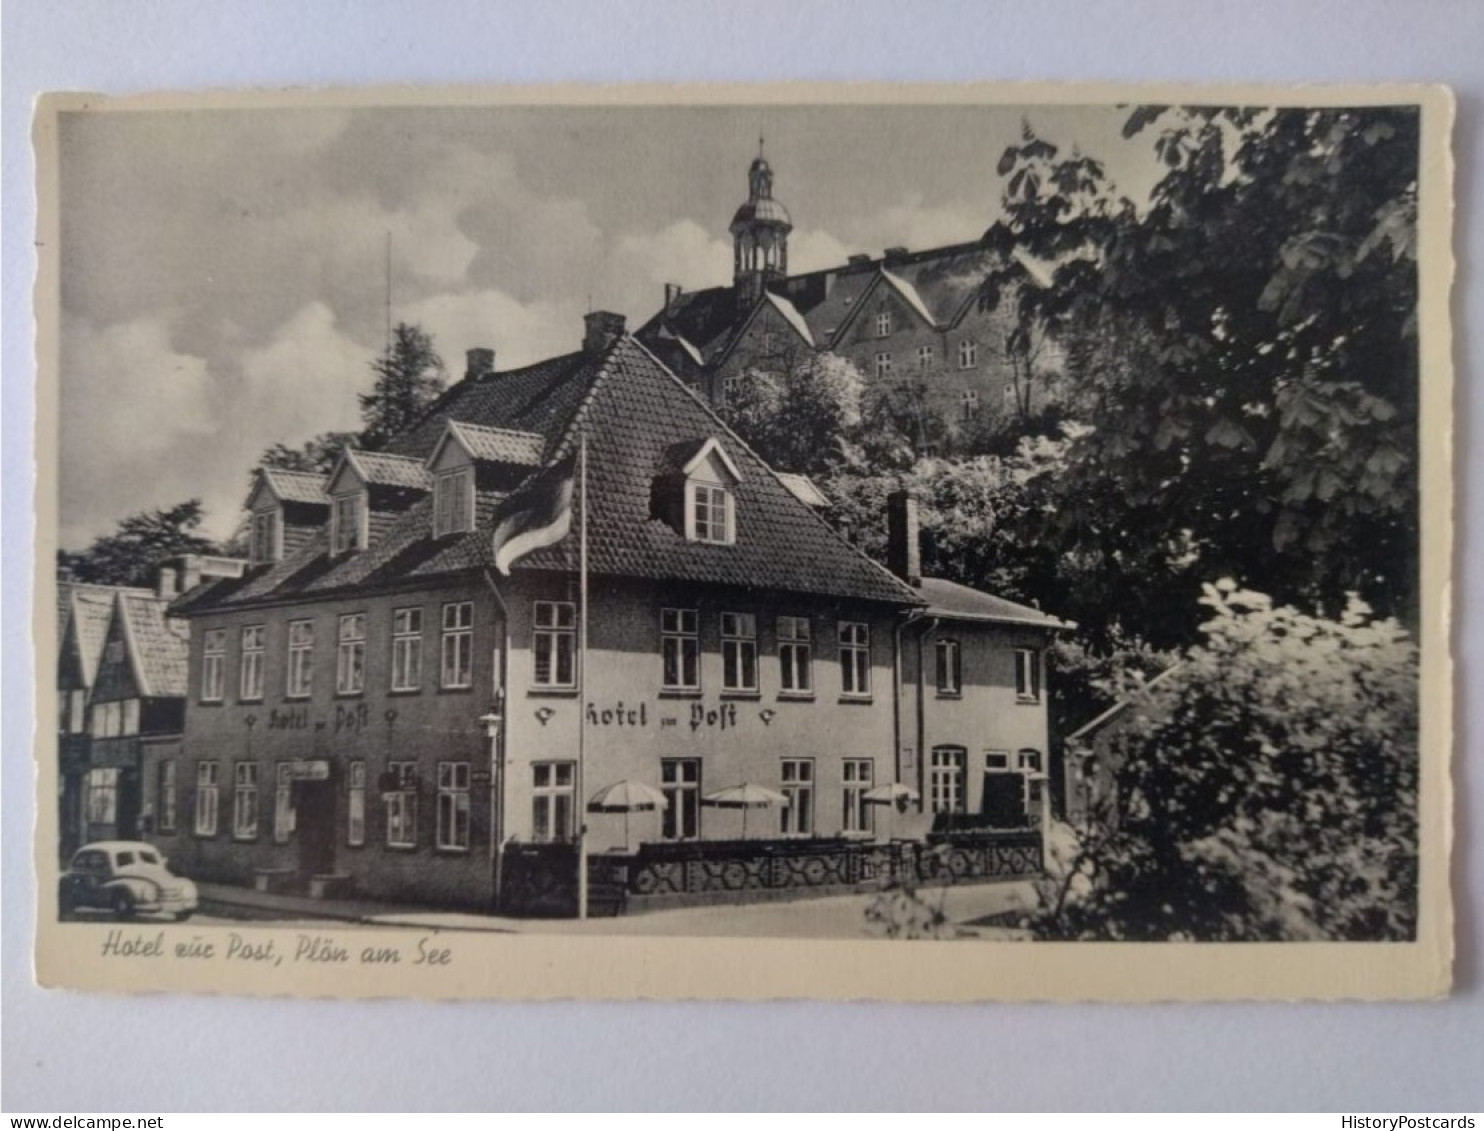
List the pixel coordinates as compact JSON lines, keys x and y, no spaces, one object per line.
{"x":917,"y":543}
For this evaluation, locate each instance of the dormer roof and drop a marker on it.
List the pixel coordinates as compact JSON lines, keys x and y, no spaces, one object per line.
{"x":292,"y":486}
{"x":380,"y":469}
{"x":686,"y":456}
{"x":491,"y":445}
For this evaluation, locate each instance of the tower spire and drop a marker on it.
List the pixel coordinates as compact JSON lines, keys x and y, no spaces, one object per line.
{"x":759,"y":235}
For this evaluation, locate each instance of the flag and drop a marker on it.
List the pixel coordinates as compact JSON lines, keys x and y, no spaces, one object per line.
{"x":539,"y":516}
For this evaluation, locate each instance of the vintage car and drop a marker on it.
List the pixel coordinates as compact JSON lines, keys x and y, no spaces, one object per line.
{"x":126,"y":877}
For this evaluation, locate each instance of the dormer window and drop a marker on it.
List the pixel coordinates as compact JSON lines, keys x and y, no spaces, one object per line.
{"x":453,"y":502}
{"x":695,"y":492}
{"x":266,"y":542}
{"x":347,"y":523}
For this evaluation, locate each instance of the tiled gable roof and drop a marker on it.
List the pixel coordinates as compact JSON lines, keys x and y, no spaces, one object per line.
{"x":950,"y":599}
{"x":157,"y":643}
{"x":297,"y":486}
{"x":91,"y":609}
{"x":388,"y":469}
{"x":500,"y":445}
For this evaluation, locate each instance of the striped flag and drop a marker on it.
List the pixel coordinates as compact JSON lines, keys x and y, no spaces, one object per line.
{"x":541,"y":515}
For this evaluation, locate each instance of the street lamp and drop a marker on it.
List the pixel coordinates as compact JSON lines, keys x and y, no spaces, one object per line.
{"x":492,"y":721}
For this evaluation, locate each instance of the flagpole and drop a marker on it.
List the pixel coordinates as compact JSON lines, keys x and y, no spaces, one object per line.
{"x":581,"y":798}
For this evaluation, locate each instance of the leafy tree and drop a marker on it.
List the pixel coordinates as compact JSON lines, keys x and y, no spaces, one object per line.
{"x":1266,"y":789}
{"x":131,"y":554}
{"x":409,"y":377}
{"x":801,"y":418}
{"x":1244,"y":349}
{"x":317,"y":454}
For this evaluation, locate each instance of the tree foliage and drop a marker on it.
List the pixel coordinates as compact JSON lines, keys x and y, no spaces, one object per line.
{"x":801,"y":418}
{"x":131,"y":554}
{"x":1243,"y":349}
{"x":409,"y":377}
{"x":1266,"y":789}
{"x":317,"y":454}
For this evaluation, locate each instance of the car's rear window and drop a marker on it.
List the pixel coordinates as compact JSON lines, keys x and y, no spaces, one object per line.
{"x":124,"y":859}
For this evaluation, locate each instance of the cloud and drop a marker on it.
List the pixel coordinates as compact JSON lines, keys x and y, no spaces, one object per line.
{"x":520,"y":333}
{"x":118,"y":437}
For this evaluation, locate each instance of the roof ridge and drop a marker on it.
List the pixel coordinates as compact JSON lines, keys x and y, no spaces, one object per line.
{"x":810,"y":511}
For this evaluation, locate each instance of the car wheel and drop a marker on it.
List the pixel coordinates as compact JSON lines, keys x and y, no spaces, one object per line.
{"x":123,"y":905}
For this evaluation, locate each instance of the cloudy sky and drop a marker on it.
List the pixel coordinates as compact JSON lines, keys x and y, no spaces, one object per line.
{"x":224,"y":271}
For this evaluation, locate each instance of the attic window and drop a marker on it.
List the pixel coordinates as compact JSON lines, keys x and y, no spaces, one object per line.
{"x":883,"y":324}
{"x":348,"y":523}
{"x":709,"y":514}
{"x":453,"y":502}
{"x":266,"y":541}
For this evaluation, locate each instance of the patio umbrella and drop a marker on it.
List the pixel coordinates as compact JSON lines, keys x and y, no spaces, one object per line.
{"x":627,"y":797}
{"x":897,"y":795}
{"x":745,"y":796}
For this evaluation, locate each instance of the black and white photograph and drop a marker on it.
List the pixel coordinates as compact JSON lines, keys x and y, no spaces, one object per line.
{"x":484,"y":525}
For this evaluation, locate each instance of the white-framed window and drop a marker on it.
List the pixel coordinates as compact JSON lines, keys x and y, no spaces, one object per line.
{"x":347,"y":523}
{"x":968,"y":354}
{"x":103,"y":795}
{"x":554,"y":644}
{"x":680,"y":781}
{"x":407,"y":649}
{"x":797,"y":817}
{"x":264,"y":540}
{"x":883,"y":323}
{"x":857,"y":775}
{"x":77,"y":704}
{"x":165,"y":800}
{"x":855,"y":658}
{"x":350,"y":655}
{"x":969,"y":404}
{"x":301,"y":658}
{"x":680,"y":649}
{"x":285,"y":819}
{"x":950,"y":676}
{"x":1028,"y":675}
{"x":453,"y":806}
{"x":709,"y":514}
{"x":108,"y":719}
{"x":1028,"y":761}
{"x":355,"y":804}
{"x":250,"y":678}
{"x":925,"y":355}
{"x":729,"y":386}
{"x":213,"y":664}
{"x":552,"y":784}
{"x":244,"y":800}
{"x":996,"y":761}
{"x":738,"y":652}
{"x":458,"y":644}
{"x":946,"y":779}
{"x":401,"y":805}
{"x":453,"y":502}
{"x":883,"y":364}
{"x":794,"y":635}
{"x":208,"y":800}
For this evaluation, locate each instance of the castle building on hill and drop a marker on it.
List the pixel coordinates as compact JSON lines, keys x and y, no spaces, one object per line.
{"x":913,"y":322}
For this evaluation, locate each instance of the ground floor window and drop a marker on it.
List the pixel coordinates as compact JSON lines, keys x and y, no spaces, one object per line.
{"x":858,"y":775}
{"x":453,"y":805}
{"x":401,"y":804}
{"x":798,"y":787}
{"x":166,"y":800}
{"x":284,"y":817}
{"x":552,"y":786}
{"x":245,"y":800}
{"x":946,"y":779}
{"x":207,"y":799}
{"x":103,"y":796}
{"x":680,"y":779}
{"x":355,"y":809}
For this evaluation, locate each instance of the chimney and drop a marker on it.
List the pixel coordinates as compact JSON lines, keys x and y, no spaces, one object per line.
{"x":903,"y":552}
{"x":896,"y":254}
{"x":481,"y":363}
{"x":601,"y":329}
{"x":166,"y":585}
{"x":190,"y":572}
{"x":672,"y":295}
{"x":860,"y":259}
